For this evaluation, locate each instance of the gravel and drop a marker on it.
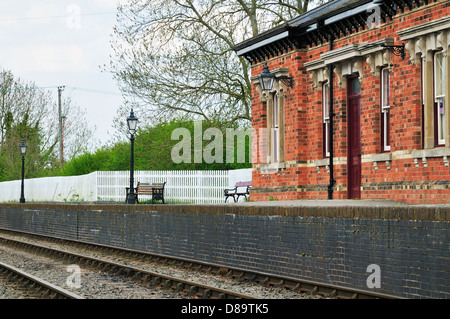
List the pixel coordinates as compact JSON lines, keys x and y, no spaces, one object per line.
{"x":98,"y":285}
{"x":94,"y":285}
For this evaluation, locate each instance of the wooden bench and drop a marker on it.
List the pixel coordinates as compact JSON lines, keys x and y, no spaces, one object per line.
{"x":238,"y":191}
{"x":156,"y":190}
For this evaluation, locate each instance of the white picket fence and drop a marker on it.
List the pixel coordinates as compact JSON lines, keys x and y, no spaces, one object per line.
{"x":197,"y":187}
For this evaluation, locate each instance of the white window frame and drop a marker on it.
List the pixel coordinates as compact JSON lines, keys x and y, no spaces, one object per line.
{"x":385,"y":108}
{"x":326,"y":118}
{"x":275,"y":130}
{"x":439,"y":99}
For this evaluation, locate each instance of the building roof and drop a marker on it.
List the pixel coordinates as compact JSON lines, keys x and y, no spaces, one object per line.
{"x":327,"y":8}
{"x":333,"y":18}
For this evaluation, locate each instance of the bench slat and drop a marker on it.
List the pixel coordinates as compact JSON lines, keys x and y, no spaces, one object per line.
{"x":156,"y":190}
{"x":243,"y":184}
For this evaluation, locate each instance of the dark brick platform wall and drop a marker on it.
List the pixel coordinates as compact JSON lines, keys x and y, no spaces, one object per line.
{"x":333,"y":245}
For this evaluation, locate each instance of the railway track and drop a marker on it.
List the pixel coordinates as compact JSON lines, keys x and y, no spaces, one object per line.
{"x":188,"y":288}
{"x":152,"y":280}
{"x":31,"y":287}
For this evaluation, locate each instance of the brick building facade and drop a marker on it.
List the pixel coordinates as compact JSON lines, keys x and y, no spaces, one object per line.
{"x":379,"y":128}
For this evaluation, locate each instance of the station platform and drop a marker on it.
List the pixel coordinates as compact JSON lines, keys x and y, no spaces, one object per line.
{"x":335,"y":203}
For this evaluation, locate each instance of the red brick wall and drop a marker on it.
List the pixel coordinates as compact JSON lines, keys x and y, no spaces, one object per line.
{"x":303,"y":126}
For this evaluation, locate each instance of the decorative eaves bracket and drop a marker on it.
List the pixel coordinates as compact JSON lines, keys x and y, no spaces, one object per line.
{"x":426,"y":37}
{"x":349,"y":60}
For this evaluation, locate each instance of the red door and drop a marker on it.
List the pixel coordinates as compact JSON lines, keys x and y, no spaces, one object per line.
{"x":354,"y":138}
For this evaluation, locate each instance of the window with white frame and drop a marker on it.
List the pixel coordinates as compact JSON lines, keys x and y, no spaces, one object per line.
{"x":274,"y":137}
{"x":385,"y":110}
{"x":326,"y":119}
{"x":439,"y":97}
{"x":275,"y":130}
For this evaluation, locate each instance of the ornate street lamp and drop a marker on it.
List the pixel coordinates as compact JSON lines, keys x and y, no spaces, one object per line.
{"x":132,"y":125}
{"x":23,"y":150}
{"x":266,"y":79}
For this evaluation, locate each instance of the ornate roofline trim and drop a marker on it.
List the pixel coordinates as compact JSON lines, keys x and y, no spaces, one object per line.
{"x":349,"y":60}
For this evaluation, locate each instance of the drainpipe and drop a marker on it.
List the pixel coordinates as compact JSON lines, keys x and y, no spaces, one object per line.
{"x":331,"y":114}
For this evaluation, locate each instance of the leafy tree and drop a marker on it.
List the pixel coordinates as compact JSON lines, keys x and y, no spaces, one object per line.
{"x":10,"y":157}
{"x":30,"y":114}
{"x":153,"y":150}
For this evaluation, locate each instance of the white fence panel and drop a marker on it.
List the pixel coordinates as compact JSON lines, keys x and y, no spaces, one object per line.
{"x":196,"y":187}
{"x":111,"y":185}
{"x":58,"y":189}
{"x":181,"y":186}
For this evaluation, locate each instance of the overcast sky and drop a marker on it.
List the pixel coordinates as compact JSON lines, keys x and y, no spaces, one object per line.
{"x":63,"y":43}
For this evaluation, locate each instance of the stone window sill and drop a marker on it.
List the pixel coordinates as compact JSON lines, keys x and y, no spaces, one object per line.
{"x":273,"y":168}
{"x":381,"y":157}
{"x":430,"y":153}
{"x":321,"y":163}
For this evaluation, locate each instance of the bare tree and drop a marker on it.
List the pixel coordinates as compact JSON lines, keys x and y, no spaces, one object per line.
{"x":176,"y":58}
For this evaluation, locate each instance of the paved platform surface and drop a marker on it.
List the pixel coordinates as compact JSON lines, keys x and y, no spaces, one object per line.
{"x":299,"y":203}
{"x":336,"y":203}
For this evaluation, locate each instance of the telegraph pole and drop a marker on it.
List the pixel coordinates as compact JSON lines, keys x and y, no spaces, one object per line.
{"x":60,"y":120}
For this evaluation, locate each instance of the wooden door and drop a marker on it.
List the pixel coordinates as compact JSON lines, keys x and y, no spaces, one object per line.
{"x":354,"y":138}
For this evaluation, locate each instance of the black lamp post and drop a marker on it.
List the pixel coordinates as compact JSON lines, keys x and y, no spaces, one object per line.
{"x":23,"y":150}
{"x":132,"y":124}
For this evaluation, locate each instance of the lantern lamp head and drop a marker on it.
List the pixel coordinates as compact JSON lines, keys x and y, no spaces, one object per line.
{"x":23,"y":148}
{"x":132,"y":122}
{"x":266,"y":79}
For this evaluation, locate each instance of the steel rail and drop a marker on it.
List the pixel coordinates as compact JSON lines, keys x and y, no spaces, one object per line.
{"x":151,"y":279}
{"x":240,"y":274}
{"x":40,"y":287}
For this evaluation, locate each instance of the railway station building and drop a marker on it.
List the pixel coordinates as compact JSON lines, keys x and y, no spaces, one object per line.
{"x":352,"y":98}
